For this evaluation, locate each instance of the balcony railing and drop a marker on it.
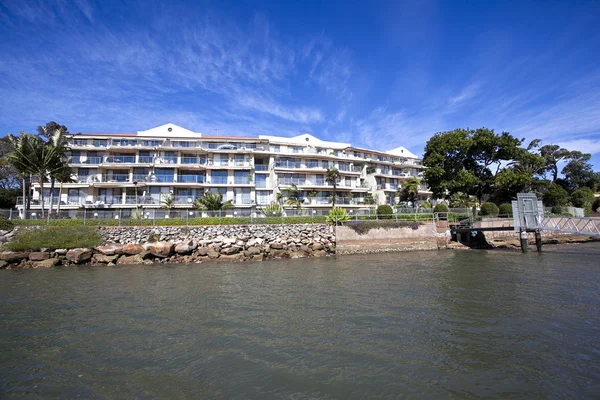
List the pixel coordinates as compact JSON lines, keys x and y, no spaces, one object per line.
{"x":356,"y":168}
{"x":191,"y":179}
{"x":241,"y":181}
{"x":312,"y":164}
{"x":120,"y":160}
{"x":193,"y":160}
{"x":288,"y":164}
{"x":145,"y":159}
{"x":219,"y":181}
{"x":166,"y":160}
{"x":221,"y":164}
{"x":121,"y":178}
{"x":163,"y":178}
{"x":260,"y":167}
{"x":86,"y":160}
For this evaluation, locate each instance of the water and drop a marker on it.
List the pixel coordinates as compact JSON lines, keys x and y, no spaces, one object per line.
{"x":416,"y":325}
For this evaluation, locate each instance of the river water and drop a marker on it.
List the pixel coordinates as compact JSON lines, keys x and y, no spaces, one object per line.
{"x":462,"y":324}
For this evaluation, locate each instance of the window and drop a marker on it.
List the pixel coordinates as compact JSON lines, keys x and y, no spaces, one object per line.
{"x":219,"y":177}
{"x":99,"y":142}
{"x":261,"y":181}
{"x":263,"y":197}
{"x":276,"y":149}
{"x":80,"y":142}
{"x":296,"y":149}
{"x":240,"y":177}
{"x":320,"y":179}
{"x":164,"y":175}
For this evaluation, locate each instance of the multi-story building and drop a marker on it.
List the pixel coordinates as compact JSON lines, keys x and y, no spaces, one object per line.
{"x":124,"y":171}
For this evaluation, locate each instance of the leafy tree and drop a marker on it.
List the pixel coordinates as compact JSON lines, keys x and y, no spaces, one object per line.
{"x":596,"y":204}
{"x":466,"y":160}
{"x":21,"y":159}
{"x":505,"y":209}
{"x":578,"y":172}
{"x":332,"y":176}
{"x":46,"y":131}
{"x":385,"y":211}
{"x":440,"y":207}
{"x":212,"y":202}
{"x":583,"y":197}
{"x":553,"y":154}
{"x":462,"y":200}
{"x":489,"y":209}
{"x":409,"y":192}
{"x":556,"y":195}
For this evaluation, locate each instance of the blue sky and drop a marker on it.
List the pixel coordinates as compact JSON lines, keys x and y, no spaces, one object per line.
{"x":375,"y":74}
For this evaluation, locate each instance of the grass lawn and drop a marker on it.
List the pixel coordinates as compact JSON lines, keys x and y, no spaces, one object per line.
{"x":54,"y":238}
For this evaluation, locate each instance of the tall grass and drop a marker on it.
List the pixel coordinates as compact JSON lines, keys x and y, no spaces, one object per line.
{"x":54,"y":238}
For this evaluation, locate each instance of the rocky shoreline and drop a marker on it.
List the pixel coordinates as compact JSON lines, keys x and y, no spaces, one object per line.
{"x":185,"y":245}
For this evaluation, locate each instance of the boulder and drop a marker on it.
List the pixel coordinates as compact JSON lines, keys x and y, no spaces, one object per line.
{"x":202,"y":251}
{"x":132,"y":249}
{"x":231,"y":250}
{"x":48,"y":263}
{"x":298,"y":254}
{"x":161,"y":249}
{"x":252,"y":250}
{"x":257,"y":257}
{"x":319,"y":253}
{"x":317,"y":246}
{"x":231,"y":257}
{"x":134,"y":259}
{"x":39,"y":256}
{"x":213,"y":253}
{"x":186,"y":247}
{"x":103,"y":258}
{"x":3,"y":264}
{"x":110,"y":249}
{"x":277,"y":246}
{"x":13,"y":256}
{"x":79,"y":255}
{"x":61,"y":252}
{"x":279,"y":254}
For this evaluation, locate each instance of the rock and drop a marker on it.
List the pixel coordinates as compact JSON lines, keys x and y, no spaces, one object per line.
{"x":13,"y":256}
{"x":79,"y":255}
{"x":252,"y":251}
{"x":110,"y":249}
{"x":230,"y":250}
{"x":202,"y":251}
{"x":39,"y":256}
{"x":48,"y":263}
{"x":185,"y":247}
{"x":3,"y":264}
{"x":319,"y":253}
{"x":279,"y":254}
{"x":257,"y":257}
{"x":277,"y":246}
{"x":213,"y":253}
{"x":317,"y":246}
{"x":231,"y":257}
{"x":298,"y":254}
{"x":134,"y":259}
{"x":161,"y":249}
{"x":103,"y":258}
{"x":61,"y":252}
{"x":132,"y":249}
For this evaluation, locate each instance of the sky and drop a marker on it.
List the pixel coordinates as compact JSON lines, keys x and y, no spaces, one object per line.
{"x":372,"y":73}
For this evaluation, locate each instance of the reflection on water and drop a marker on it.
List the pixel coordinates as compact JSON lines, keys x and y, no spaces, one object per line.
{"x":421,"y":325}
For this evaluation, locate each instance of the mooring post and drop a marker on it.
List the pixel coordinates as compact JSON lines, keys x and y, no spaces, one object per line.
{"x":538,"y":240}
{"x":523,"y":235}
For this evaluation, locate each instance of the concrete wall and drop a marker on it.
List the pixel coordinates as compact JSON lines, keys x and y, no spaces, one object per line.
{"x":380,"y":240}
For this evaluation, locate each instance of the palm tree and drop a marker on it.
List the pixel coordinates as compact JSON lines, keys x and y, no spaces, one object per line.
{"x":20,"y":158}
{"x":212,"y":202}
{"x":167,"y":202}
{"x":332,"y":177}
{"x":410,"y":191}
{"x":59,"y":145}
{"x":272,"y":210}
{"x":293,"y":197}
{"x":62,"y":177}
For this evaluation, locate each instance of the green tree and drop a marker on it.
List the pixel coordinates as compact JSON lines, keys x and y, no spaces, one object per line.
{"x":46,"y":131}
{"x":583,"y":197}
{"x":212,"y":202}
{"x":293,"y":197}
{"x":466,"y":160}
{"x":168,"y":203}
{"x":20,"y":157}
{"x":332,"y":176}
{"x":272,"y":210}
{"x":578,"y":172}
{"x":555,"y":195}
{"x":553,"y":154}
{"x":409,"y":192}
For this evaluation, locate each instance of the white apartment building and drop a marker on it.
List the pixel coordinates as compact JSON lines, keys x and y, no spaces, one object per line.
{"x":122,"y":171}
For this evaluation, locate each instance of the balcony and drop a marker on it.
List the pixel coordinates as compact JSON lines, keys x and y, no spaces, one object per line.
{"x":220,"y":164}
{"x":163,"y":178}
{"x":145,"y":160}
{"x":356,"y":168}
{"x":193,"y":161}
{"x":241,"y":181}
{"x":120,"y":160}
{"x":260,"y":167}
{"x":117,"y":178}
{"x":312,"y":164}
{"x":219,"y":181}
{"x":167,"y":160}
{"x":86,"y":160}
{"x":191,"y":179}
{"x":288,"y":164}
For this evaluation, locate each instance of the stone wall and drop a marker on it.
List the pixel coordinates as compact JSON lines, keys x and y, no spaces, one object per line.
{"x":137,"y":245}
{"x":388,"y":239}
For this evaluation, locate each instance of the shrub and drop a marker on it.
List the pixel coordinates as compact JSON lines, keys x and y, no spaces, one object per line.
{"x":596,"y":205}
{"x":385,"y":211}
{"x":582,"y":197}
{"x":556,"y":210}
{"x":505,"y":209}
{"x":440,"y":207}
{"x":337,"y":214}
{"x":6,"y":224}
{"x":490,"y":209}
{"x":54,"y":238}
{"x":426,"y":204}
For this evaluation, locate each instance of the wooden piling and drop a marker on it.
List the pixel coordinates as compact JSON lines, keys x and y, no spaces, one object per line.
{"x":538,"y":241}
{"x":523,"y":236}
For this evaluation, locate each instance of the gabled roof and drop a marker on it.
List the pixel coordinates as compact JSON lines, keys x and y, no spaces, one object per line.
{"x":401,"y":151}
{"x":170,"y":130}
